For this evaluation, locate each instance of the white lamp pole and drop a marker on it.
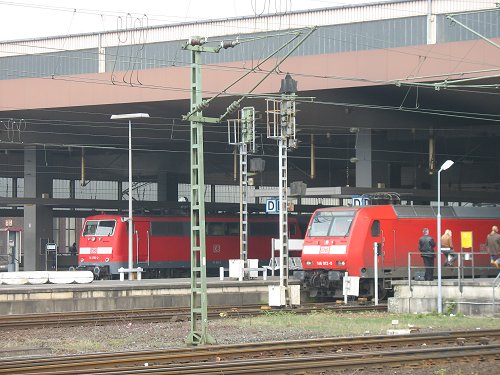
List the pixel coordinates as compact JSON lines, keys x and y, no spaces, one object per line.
{"x":129,"y":117}
{"x":447,"y":164}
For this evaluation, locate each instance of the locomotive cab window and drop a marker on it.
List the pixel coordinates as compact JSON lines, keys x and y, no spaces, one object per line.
{"x":263,"y":229}
{"x":331,"y":223}
{"x":233,"y":229}
{"x":99,"y":228}
{"x":375,"y":228}
{"x":215,"y":229}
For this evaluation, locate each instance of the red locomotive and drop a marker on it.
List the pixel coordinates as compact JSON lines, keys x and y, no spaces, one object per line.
{"x":341,"y":239}
{"x":161,"y":245}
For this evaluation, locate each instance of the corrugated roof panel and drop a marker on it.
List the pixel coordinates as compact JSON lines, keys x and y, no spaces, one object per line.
{"x":423,"y":211}
{"x":243,"y":25}
{"x":478,"y":212}
{"x":448,"y":211}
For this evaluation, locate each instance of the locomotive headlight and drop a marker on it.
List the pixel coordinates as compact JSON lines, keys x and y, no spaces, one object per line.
{"x":106,"y":260}
{"x":340,"y":262}
{"x":309,"y":263}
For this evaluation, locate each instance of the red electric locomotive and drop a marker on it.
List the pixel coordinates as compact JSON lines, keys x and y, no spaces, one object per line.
{"x":341,"y":239}
{"x":161,"y":245}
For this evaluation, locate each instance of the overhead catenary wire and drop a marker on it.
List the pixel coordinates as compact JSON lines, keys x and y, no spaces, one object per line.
{"x":176,"y":19}
{"x":255,"y":68}
{"x":306,"y":126}
{"x":365,"y":36}
{"x":360,"y":79}
{"x":418,"y":52}
{"x":380,"y":107}
{"x":153,"y":17}
{"x":228,"y":153}
{"x":274,"y":69}
{"x":170,"y":121}
{"x":384,"y":108}
{"x":61,"y":169}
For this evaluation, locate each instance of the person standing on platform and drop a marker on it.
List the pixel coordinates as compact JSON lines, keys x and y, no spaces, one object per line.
{"x":73,"y":250}
{"x":426,"y":247}
{"x":493,"y":245}
{"x":447,"y":247}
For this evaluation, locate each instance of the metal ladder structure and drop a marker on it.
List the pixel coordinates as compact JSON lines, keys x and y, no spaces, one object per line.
{"x":199,"y":300}
{"x":281,"y":126}
{"x":241,"y":133}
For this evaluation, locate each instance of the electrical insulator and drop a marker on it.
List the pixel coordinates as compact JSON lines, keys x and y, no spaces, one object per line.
{"x":197,"y":41}
{"x":293,"y":143}
{"x":203,"y":105}
{"x":233,"y":107}
{"x":228,"y":44}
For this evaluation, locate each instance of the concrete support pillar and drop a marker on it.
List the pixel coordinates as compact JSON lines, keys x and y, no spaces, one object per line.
{"x":119,"y":191}
{"x":168,"y":187}
{"x":102,"y":55}
{"x":37,"y":217}
{"x":431,"y":24}
{"x":14,"y":187}
{"x":212,"y":193}
{"x":364,"y":158}
{"x":72,"y":190}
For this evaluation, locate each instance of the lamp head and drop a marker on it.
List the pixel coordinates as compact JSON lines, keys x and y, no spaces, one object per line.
{"x":129,"y":116}
{"x":288,"y":85}
{"x":447,"y":164}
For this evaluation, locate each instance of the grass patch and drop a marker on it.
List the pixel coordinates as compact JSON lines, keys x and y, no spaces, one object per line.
{"x":331,"y":323}
{"x":83,"y":345}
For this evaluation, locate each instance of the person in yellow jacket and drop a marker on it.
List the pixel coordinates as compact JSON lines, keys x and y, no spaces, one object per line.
{"x":493,"y":245}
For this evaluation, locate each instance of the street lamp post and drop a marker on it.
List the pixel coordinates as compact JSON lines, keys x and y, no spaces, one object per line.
{"x":447,"y":164}
{"x":129,"y":117}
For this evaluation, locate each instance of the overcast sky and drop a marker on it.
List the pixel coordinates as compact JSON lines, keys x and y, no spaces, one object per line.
{"x":24,"y":19}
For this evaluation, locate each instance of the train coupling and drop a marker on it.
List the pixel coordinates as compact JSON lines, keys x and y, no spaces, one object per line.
{"x":335,"y":275}
{"x":299,"y":275}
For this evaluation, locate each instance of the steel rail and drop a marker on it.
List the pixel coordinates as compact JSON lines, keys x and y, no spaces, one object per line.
{"x":320,"y":363}
{"x":160,"y":314}
{"x":81,"y":364}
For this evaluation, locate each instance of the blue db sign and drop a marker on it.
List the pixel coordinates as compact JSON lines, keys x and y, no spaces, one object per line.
{"x":272,"y":206}
{"x":358,"y":200}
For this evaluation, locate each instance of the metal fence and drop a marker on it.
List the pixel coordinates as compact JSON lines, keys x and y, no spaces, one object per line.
{"x":466,"y":264}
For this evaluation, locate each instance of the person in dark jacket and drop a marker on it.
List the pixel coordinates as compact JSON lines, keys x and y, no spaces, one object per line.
{"x":73,"y":250}
{"x":426,"y":247}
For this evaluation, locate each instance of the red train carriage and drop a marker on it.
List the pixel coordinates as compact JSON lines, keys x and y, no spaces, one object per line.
{"x":161,"y":245}
{"x":341,"y":239}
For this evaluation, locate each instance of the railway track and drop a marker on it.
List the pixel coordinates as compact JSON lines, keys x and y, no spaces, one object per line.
{"x":160,"y":314}
{"x":290,"y":357}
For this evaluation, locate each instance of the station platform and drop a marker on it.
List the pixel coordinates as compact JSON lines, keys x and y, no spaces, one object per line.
{"x":480,"y":296}
{"x":129,"y":294}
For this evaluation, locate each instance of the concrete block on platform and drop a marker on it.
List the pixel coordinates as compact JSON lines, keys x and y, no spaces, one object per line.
{"x":398,"y":331}
{"x":471,"y":297}
{"x":14,"y":278}
{"x":109,"y":295}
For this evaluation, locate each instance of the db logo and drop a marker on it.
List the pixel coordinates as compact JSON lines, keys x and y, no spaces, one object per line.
{"x":324,"y":250}
{"x":216,"y":249}
{"x":93,"y":250}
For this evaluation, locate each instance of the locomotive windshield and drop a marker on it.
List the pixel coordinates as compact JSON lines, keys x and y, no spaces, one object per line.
{"x":99,"y":228}
{"x":331,"y":223}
